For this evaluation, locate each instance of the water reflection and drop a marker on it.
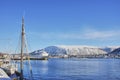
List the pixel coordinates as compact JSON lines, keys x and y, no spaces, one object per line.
{"x":75,"y":69}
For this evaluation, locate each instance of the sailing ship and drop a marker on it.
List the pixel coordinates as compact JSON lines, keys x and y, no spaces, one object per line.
{"x":9,"y":71}
{"x":23,"y":47}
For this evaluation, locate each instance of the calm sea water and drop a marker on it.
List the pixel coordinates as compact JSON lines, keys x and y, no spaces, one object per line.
{"x":74,"y":69}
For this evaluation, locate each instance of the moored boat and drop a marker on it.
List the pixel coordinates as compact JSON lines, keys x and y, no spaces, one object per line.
{"x":3,"y":75}
{"x":39,"y":55}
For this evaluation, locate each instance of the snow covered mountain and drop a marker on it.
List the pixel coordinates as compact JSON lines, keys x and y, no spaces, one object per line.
{"x":116,"y":51}
{"x":73,"y":50}
{"x":110,"y":48}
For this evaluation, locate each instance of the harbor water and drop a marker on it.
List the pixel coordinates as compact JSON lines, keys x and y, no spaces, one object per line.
{"x":73,"y":69}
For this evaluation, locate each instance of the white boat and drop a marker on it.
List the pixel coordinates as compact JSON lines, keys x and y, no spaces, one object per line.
{"x":3,"y":75}
{"x":8,"y":66}
{"x":40,"y":54}
{"x":10,"y":69}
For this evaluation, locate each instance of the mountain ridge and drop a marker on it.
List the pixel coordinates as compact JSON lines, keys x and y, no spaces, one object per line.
{"x":75,"y":50}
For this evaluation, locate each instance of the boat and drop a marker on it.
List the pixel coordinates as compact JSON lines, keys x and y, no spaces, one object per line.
{"x":10,"y":71}
{"x":3,"y":75}
{"x":23,"y":49}
{"x":39,"y":55}
{"x":9,"y":67}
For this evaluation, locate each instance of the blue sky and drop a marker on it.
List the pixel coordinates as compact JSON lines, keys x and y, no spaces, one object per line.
{"x":60,"y":22}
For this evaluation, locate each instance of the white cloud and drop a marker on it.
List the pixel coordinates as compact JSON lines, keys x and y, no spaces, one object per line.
{"x":94,"y":34}
{"x":84,"y":34}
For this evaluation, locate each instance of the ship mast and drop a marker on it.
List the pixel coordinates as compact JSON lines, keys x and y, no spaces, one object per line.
{"x":22,"y":48}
